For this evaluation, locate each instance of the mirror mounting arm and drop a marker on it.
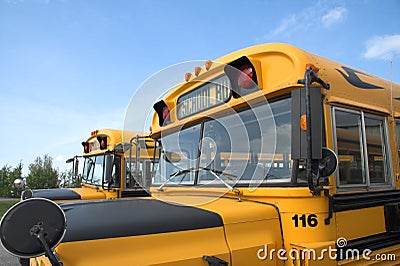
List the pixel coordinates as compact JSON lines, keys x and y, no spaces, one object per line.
{"x":310,"y":77}
{"x":38,"y":231}
{"x":330,"y":207}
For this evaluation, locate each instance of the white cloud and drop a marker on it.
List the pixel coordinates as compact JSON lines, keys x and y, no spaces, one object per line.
{"x":285,"y":26}
{"x":292,"y":23}
{"x":310,"y":17}
{"x":383,"y":47}
{"x":334,"y":16}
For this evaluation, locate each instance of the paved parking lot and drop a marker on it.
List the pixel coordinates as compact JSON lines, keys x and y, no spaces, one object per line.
{"x":6,"y":259}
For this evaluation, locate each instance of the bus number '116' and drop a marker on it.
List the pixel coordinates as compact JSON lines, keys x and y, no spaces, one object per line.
{"x":306,"y":220}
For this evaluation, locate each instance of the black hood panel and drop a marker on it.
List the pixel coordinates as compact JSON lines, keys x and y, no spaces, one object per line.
{"x":56,"y":194}
{"x":132,"y":217}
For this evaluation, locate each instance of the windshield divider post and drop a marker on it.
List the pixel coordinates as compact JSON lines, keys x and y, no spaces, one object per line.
{"x":104,"y":167}
{"x":130,"y":162}
{"x":137,"y":162}
{"x":196,"y":175}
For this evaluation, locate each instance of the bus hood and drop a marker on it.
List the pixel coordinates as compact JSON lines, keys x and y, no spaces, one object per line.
{"x":64,"y":194}
{"x":121,"y":218}
{"x":91,"y":220}
{"x":148,"y":231}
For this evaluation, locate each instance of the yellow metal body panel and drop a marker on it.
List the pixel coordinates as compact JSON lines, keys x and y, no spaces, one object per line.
{"x":159,"y":249}
{"x":360,"y":223}
{"x":89,"y":193}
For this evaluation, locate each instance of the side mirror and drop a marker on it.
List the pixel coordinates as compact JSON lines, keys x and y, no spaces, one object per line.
{"x":75,"y":164}
{"x":76,"y":167}
{"x":299,"y":133}
{"x":32,"y":228}
{"x":307,"y":126}
{"x":19,"y":183}
{"x":328,"y":163}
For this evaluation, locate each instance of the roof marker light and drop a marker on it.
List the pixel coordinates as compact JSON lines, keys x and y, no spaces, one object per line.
{"x":197,"y":71}
{"x":187,"y":76}
{"x":314,"y":68}
{"x":208,"y":64}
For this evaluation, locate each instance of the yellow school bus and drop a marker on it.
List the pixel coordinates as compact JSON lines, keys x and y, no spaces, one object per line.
{"x":116,"y":164}
{"x":270,"y":155}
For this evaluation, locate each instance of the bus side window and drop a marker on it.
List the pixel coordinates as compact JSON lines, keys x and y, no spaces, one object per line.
{"x":362,"y":148}
{"x":350,"y":147}
{"x":377,"y":161}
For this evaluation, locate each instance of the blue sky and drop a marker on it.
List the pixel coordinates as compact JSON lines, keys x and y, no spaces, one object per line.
{"x":68,"y":67}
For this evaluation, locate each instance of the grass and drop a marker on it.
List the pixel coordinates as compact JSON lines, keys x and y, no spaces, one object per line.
{"x":5,"y":205}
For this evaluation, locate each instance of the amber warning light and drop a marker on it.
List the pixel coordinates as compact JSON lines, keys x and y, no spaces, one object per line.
{"x":303,"y":122}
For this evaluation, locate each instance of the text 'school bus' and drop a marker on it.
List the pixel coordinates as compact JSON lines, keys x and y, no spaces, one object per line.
{"x":112,"y":168}
{"x":269,"y":156}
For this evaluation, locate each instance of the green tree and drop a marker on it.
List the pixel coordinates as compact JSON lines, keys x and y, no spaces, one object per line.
{"x":68,"y":179}
{"x":7,"y":177}
{"x":42,"y":174}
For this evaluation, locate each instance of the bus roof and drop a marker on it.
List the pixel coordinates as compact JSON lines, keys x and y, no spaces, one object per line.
{"x":114,"y":137}
{"x":280,"y":66}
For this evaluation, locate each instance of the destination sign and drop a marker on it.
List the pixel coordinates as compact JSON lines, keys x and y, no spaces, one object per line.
{"x":206,"y":96}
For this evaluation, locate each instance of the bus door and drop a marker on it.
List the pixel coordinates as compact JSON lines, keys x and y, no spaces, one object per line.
{"x":138,"y":166}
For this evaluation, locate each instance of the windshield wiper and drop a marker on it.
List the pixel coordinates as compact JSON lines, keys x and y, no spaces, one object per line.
{"x":173,"y":175}
{"x":270,"y":175}
{"x":214,"y":172}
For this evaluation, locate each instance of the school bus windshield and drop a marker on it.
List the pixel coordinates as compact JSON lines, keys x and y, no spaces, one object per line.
{"x":102,"y":170}
{"x":237,"y":144}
